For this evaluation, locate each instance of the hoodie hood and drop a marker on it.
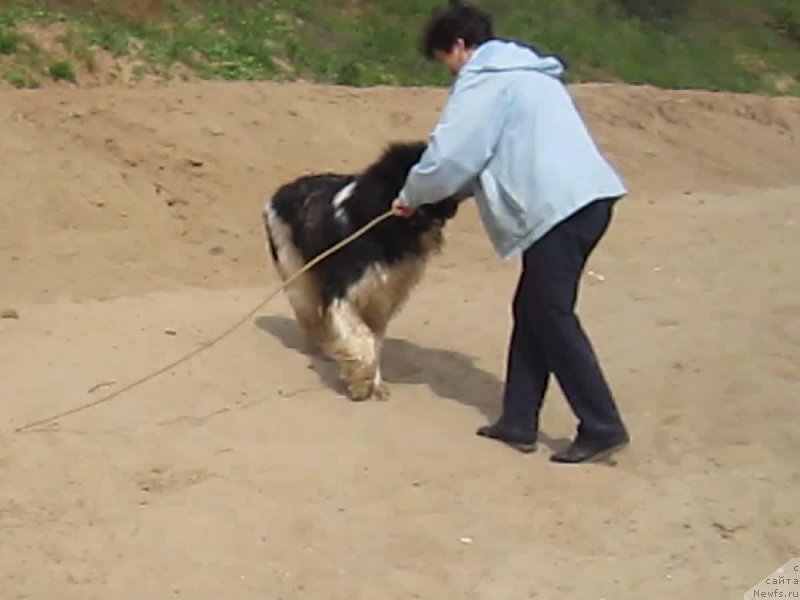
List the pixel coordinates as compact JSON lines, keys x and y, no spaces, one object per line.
{"x":505,"y":55}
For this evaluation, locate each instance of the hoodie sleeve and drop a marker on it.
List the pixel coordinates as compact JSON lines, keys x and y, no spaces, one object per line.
{"x":461,"y":143}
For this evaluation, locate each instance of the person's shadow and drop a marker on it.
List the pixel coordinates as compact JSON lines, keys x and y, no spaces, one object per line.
{"x":449,"y":374}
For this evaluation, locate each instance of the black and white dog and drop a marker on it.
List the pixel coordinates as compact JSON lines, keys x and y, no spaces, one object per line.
{"x":345,"y":302}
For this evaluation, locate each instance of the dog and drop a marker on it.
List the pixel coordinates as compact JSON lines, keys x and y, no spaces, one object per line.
{"x":344,"y":303}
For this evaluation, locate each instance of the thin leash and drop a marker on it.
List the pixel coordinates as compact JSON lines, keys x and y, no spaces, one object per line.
{"x":320,"y":257}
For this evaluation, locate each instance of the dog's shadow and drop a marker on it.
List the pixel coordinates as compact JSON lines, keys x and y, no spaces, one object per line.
{"x":449,"y":374}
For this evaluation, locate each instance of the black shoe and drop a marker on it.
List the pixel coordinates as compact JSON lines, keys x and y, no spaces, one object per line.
{"x":585,"y":450}
{"x":520,"y":438}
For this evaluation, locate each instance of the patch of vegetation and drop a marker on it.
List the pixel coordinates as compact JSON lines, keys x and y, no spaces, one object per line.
{"x":736,"y":45}
{"x":62,"y":71}
{"x":785,"y":19}
{"x":21,"y":78}
{"x":79,"y":46}
{"x":656,"y":11}
{"x":9,"y":41}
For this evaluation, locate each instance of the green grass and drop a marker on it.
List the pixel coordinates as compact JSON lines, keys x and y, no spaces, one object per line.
{"x":62,"y":71}
{"x":20,"y":77}
{"x":736,"y":45}
{"x":9,"y":41}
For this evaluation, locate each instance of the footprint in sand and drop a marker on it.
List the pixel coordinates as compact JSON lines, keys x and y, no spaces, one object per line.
{"x":165,"y":480}
{"x":399,"y":119}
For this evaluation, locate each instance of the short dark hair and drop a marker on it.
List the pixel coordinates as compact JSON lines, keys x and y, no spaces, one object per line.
{"x":458,"y":20}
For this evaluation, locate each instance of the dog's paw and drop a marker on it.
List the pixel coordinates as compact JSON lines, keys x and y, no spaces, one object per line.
{"x":368,"y":390}
{"x":381,"y":392}
{"x":360,"y":391}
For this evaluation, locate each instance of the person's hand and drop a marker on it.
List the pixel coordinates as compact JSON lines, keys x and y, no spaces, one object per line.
{"x":402,"y":210}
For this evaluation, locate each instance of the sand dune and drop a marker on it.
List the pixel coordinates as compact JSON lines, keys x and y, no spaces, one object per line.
{"x":246,"y":474}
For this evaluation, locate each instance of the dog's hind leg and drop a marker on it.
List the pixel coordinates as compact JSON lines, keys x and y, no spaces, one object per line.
{"x":353,"y":345}
{"x":303,"y":292}
{"x":304,"y":299}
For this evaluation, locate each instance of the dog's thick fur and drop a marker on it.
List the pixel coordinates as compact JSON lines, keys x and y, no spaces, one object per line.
{"x":345,"y":302}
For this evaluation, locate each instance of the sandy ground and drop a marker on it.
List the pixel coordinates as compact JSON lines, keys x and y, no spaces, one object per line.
{"x":126,"y":212}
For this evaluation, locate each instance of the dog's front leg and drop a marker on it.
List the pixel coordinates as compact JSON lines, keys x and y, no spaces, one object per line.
{"x":355,"y":348}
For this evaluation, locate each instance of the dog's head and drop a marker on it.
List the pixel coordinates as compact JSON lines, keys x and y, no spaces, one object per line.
{"x":404,"y":156}
{"x":440,"y":212}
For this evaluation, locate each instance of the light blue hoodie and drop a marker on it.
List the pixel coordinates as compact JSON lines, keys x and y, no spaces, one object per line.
{"x":511,"y":136}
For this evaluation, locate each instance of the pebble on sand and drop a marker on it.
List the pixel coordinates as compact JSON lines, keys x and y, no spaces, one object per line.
{"x":9,"y":313}
{"x":597,"y":276}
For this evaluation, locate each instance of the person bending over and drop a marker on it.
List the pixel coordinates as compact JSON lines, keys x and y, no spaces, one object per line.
{"x":511,"y":136}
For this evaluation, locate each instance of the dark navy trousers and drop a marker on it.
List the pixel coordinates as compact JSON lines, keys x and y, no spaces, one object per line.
{"x":547,"y":337}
